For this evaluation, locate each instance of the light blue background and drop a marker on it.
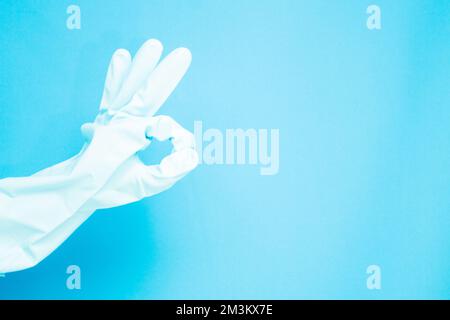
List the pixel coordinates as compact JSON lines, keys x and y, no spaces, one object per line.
{"x":364,"y":119}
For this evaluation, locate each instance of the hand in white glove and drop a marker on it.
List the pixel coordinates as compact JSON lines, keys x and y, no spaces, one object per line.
{"x":39,"y":212}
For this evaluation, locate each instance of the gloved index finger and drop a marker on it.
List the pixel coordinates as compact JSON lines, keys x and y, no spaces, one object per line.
{"x":184,"y":157}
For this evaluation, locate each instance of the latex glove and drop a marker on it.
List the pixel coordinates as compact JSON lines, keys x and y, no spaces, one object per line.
{"x":37,"y":213}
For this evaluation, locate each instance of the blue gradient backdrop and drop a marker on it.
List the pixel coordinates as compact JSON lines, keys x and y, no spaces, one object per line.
{"x":364,"y":119}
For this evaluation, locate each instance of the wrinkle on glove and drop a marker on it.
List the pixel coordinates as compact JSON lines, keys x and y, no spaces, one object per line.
{"x":39,"y":212}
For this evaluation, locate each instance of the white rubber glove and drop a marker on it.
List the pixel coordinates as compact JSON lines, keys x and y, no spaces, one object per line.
{"x":39,"y":212}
